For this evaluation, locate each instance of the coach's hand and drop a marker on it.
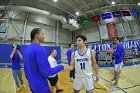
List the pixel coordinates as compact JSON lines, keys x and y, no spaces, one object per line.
{"x":111,"y":50}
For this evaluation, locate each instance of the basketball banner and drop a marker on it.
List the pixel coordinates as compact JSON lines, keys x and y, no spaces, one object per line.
{"x":117,"y":14}
{"x":106,"y":16}
{"x":126,"y":13}
{"x":95,"y":19}
{"x":120,"y":30}
{"x":127,"y":29}
{"x":135,"y":28}
{"x":134,"y":13}
{"x":112,"y":31}
{"x":103,"y":31}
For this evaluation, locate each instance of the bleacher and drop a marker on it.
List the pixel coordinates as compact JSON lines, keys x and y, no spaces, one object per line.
{"x":128,"y":55}
{"x":105,"y":58}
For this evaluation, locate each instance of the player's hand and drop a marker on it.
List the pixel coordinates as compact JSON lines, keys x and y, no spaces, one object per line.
{"x":97,"y":78}
{"x":111,"y":50}
{"x":68,"y":67}
{"x":65,"y":67}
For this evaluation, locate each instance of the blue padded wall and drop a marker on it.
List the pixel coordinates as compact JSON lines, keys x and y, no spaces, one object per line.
{"x":5,"y":50}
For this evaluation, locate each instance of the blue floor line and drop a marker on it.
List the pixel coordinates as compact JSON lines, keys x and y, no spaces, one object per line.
{"x":110,"y":83}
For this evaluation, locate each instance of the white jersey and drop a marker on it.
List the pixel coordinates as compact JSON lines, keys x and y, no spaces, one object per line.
{"x":83,"y":63}
{"x":53,"y":63}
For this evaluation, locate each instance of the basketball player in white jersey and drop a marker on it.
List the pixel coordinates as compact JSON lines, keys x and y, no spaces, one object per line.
{"x":83,"y":60}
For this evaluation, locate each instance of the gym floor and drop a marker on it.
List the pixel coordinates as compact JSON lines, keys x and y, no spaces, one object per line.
{"x":129,"y":81}
{"x":7,"y":83}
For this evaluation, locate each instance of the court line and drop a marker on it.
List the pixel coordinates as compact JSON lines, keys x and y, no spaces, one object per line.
{"x":117,"y":87}
{"x":15,"y":87}
{"x":5,"y":77}
{"x":132,"y":86}
{"x":2,"y":69}
{"x":104,"y":86}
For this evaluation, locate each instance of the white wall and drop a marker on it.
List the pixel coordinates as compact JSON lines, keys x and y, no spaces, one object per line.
{"x":91,"y":32}
{"x":16,"y":28}
{"x":65,"y":38}
{"x":49,"y":32}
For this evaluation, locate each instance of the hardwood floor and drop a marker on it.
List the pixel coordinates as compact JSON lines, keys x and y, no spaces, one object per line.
{"x":7,"y":83}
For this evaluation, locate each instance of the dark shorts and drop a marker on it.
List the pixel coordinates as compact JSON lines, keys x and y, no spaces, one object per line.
{"x":53,"y":80}
{"x":97,"y":61}
{"x":112,"y":57}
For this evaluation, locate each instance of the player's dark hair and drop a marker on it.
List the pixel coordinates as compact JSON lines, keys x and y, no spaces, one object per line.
{"x":52,"y":50}
{"x":34,"y":32}
{"x":118,"y":39}
{"x":70,"y":44}
{"x":82,"y":37}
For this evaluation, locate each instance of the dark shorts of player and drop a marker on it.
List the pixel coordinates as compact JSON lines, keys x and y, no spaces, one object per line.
{"x":112,"y":57}
{"x":53,"y":80}
{"x":97,"y":61}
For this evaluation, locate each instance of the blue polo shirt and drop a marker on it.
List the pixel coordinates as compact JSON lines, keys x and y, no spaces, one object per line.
{"x":37,"y":68}
{"x":69,"y":53}
{"x":119,"y":53}
{"x":15,"y":61}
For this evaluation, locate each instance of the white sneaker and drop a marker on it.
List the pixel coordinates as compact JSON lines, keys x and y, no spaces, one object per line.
{"x":112,"y":89}
{"x":24,"y":86}
{"x":18,"y":88}
{"x":115,"y":86}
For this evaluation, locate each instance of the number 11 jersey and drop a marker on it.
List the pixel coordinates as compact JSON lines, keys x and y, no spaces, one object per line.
{"x":83,"y":63}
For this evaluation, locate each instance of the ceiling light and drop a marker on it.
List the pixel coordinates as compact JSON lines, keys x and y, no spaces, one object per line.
{"x":55,"y":0}
{"x":77,"y":13}
{"x":113,"y":3}
{"x":139,"y":3}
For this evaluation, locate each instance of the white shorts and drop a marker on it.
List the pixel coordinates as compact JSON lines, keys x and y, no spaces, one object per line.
{"x":87,"y":82}
{"x":118,"y":67}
